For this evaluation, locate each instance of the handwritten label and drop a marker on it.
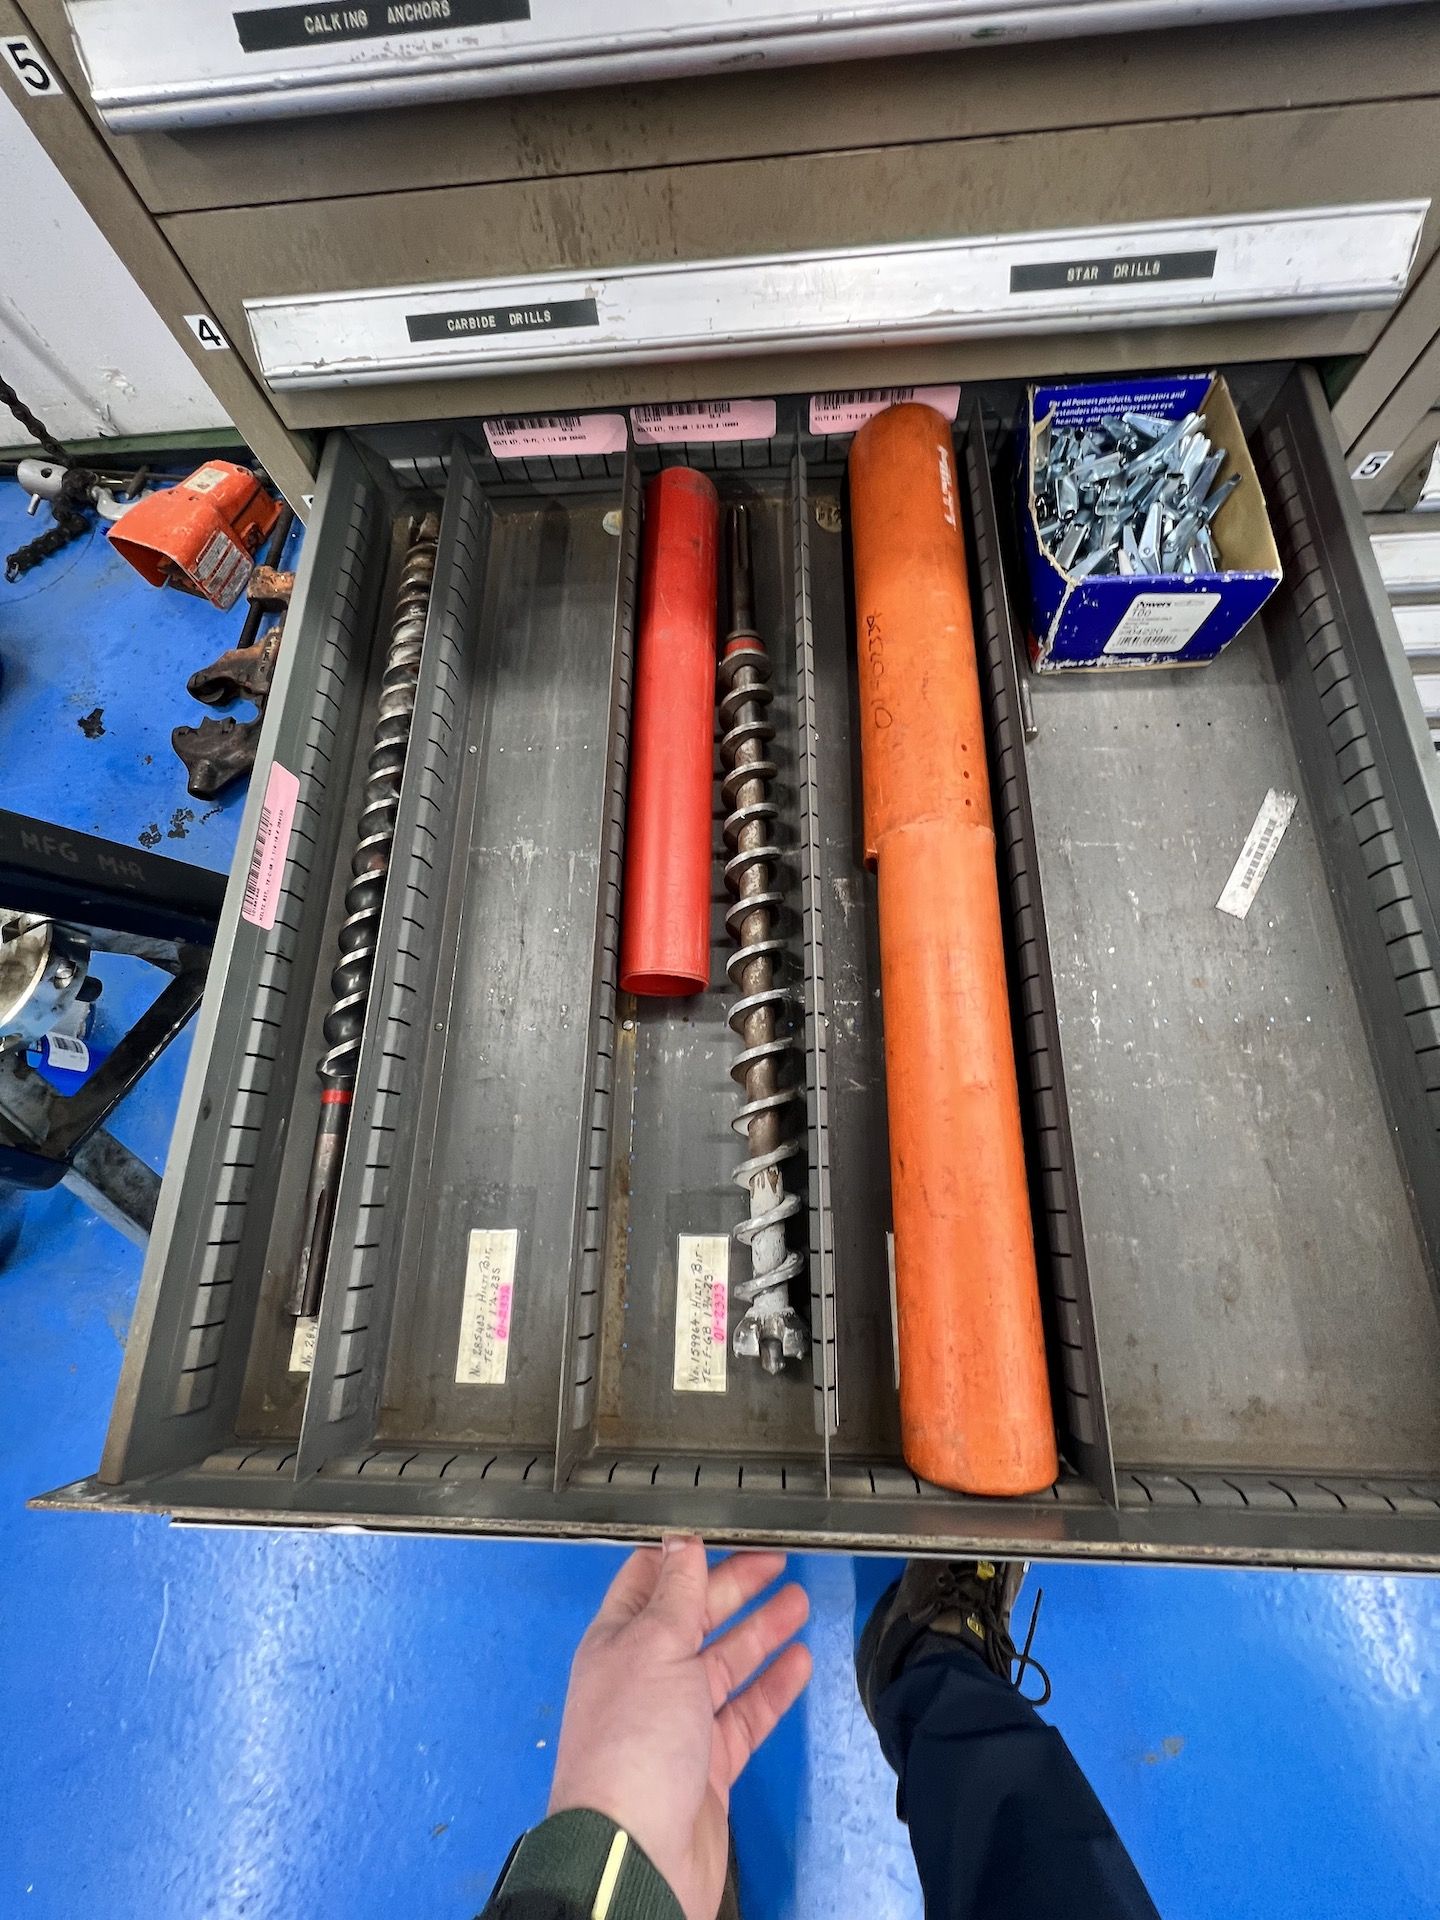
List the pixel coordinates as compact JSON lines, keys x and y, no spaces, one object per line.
{"x":302,"y":1343}
{"x":702,"y":1312}
{"x":486,"y":1314}
{"x":703,"y":420}
{"x":267,"y":29}
{"x":517,"y":435}
{"x":1160,"y":622}
{"x":1116,"y":270}
{"x":1276,"y":811}
{"x":272,"y":844}
{"x":845,"y":412}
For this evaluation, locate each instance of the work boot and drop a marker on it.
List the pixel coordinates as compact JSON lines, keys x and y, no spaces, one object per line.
{"x":968,"y":1601}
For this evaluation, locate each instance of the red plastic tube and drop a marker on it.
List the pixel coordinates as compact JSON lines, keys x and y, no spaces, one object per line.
{"x":665,"y":913}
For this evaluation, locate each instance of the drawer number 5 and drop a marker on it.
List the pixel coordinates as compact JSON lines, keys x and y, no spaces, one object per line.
{"x":31,"y":70}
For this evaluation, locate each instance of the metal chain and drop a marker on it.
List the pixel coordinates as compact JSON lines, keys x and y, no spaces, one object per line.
{"x":36,"y":428}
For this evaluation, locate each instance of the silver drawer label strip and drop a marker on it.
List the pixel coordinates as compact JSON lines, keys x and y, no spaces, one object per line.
{"x":175,"y":63}
{"x":1316,"y":261}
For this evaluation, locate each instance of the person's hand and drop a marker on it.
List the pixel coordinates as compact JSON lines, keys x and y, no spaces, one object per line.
{"x":657,"y":1731}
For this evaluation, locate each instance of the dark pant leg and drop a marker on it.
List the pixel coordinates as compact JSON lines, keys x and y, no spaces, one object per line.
{"x":1003,"y":1824}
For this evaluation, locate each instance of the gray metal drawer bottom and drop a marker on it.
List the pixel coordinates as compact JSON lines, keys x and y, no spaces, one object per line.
{"x":1231,"y":1125}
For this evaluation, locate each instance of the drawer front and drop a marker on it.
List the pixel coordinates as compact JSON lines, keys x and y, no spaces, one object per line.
{"x":1064,"y":184}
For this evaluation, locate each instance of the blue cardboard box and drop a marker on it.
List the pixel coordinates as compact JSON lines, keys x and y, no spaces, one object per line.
{"x":1148,"y":620}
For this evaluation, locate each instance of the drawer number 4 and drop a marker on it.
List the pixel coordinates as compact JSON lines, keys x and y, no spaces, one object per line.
{"x":30,"y":69}
{"x":207,"y":333}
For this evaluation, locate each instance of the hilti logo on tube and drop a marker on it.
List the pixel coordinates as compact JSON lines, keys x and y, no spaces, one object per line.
{"x":947,"y":487}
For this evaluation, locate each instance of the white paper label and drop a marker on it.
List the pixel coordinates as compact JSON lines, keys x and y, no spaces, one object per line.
{"x":702,"y":1312}
{"x":1161,"y":622}
{"x":489,"y":1298}
{"x":1257,"y":853}
{"x":703,"y":420}
{"x":894,"y":1306}
{"x":302,"y":1343}
{"x":517,"y":435}
{"x":1373,"y":463}
{"x":207,"y":333}
{"x":272,"y":843}
{"x":68,"y":1052}
{"x":30,"y":70}
{"x":844,"y":412}
{"x":206,"y":480}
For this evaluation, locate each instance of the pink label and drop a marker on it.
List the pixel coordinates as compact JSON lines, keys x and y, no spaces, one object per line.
{"x":272,"y":844}
{"x":702,"y":420}
{"x":719,"y":1313}
{"x":844,"y":412}
{"x":502,"y":1311}
{"x":516,"y":435}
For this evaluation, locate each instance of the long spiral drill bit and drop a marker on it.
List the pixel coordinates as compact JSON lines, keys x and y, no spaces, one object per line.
{"x":770,"y":1327}
{"x":369,"y":865}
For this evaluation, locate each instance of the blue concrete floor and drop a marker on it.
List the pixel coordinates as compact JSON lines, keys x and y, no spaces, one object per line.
{"x":214,"y":1725}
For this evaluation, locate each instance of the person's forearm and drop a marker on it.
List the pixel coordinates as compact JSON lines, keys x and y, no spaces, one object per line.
{"x":579,"y":1865}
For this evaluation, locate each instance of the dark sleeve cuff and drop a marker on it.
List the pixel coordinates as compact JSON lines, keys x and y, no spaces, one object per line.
{"x":580,"y":1866}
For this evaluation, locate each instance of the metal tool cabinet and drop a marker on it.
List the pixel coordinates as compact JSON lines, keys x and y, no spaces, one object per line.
{"x":865,"y":142}
{"x":1232,"y":1125}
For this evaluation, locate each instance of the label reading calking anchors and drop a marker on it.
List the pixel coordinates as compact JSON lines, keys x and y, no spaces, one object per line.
{"x":484,"y":1355}
{"x":702,"y":1312}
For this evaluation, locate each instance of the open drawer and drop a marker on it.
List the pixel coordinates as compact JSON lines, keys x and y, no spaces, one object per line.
{"x":1231,"y":1124}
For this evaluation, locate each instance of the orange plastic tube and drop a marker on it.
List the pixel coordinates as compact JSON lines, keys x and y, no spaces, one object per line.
{"x":975,"y":1409}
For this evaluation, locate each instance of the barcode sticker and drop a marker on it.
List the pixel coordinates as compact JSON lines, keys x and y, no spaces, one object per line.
{"x":1257,"y":853}
{"x":702,"y":1312}
{"x":302,"y":1343}
{"x":703,"y":420}
{"x":68,"y":1052}
{"x":844,"y":412}
{"x":485,"y":1316}
{"x":515,"y":435}
{"x":272,"y":843}
{"x":1159,"y":623}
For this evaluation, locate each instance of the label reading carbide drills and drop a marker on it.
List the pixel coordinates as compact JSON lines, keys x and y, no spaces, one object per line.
{"x":702,"y":1312}
{"x":485,"y":1316}
{"x":517,"y":316}
{"x":266,"y":29}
